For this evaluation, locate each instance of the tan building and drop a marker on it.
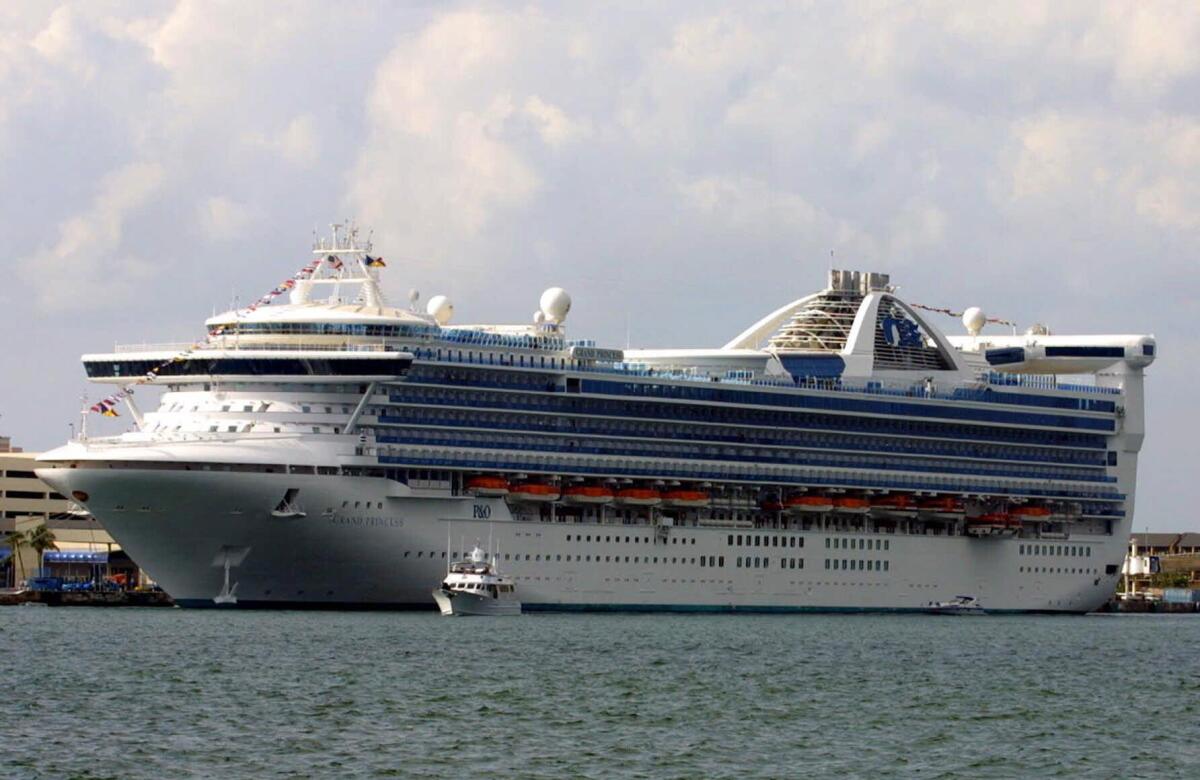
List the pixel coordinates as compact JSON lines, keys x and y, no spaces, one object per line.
{"x":1162,"y":559}
{"x":85,"y":550}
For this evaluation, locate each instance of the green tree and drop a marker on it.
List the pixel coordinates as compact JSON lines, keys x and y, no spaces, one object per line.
{"x":1174,"y":579}
{"x":42,"y":539}
{"x":15,"y":541}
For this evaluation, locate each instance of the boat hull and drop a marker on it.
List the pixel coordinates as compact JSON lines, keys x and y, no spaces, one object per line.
{"x":459,"y":604}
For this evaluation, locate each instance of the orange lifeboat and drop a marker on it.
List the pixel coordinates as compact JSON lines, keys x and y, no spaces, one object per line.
{"x":685,"y":498}
{"x":990,"y":524}
{"x":1029,"y":512}
{"x":534,"y":492}
{"x":638,"y":496}
{"x":487,"y":486}
{"x":851,"y":505}
{"x":895,"y":504}
{"x":809,"y":503}
{"x":588,"y":494}
{"x":942,"y":506}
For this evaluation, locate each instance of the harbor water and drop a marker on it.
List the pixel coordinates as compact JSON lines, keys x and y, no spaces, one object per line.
{"x":128,"y":693}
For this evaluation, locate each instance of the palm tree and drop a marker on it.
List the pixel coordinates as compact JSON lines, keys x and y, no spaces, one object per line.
{"x":15,"y":541}
{"x":42,"y":539}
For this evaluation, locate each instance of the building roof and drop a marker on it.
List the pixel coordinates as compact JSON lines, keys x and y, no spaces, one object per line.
{"x":1156,"y":538}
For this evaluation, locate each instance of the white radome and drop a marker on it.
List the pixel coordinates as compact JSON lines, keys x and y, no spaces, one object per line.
{"x":973,"y":320}
{"x":555,"y":303}
{"x":440,"y":308}
{"x":539,"y":317}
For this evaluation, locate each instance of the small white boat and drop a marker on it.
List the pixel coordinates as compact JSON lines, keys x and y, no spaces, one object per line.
{"x":475,"y":587}
{"x":959,"y":605}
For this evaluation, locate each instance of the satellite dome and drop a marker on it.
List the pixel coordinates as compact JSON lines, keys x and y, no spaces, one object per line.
{"x":555,"y":303}
{"x":973,"y":320}
{"x":539,"y":317}
{"x":440,"y":308}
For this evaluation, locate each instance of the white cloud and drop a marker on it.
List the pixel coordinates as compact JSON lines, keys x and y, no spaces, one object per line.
{"x":919,"y":228}
{"x":61,"y":43}
{"x":298,"y":142}
{"x":223,"y":218}
{"x":444,"y":154}
{"x":870,"y":137}
{"x":90,"y":261}
{"x":553,"y":124}
{"x":627,"y":155}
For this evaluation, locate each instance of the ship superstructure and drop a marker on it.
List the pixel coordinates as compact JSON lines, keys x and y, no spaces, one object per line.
{"x":840,"y":454}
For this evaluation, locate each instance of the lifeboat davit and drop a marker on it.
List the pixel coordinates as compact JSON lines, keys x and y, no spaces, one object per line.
{"x":685,"y":498}
{"x":534,"y":492}
{"x":770,"y":503}
{"x":851,"y":505}
{"x":487,"y":486}
{"x":638,"y":496}
{"x":809,"y":503}
{"x":587,"y":494}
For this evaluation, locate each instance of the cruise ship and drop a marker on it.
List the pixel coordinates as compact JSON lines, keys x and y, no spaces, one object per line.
{"x":323,"y":448}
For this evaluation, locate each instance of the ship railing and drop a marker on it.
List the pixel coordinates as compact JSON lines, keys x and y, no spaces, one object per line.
{"x":237,"y":345}
{"x":957,"y":391}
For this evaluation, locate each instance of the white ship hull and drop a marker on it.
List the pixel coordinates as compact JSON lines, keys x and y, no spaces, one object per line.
{"x":392,"y":554}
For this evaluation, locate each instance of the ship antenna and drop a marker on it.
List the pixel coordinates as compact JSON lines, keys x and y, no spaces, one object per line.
{"x":448,"y":556}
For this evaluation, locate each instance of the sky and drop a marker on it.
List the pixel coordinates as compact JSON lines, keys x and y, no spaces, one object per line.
{"x":680,"y":168}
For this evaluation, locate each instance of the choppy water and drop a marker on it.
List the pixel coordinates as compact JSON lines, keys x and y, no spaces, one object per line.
{"x":118,"y":693}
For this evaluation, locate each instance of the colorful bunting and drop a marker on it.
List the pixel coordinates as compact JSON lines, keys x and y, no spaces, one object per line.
{"x":105,"y":407}
{"x":950,"y":313}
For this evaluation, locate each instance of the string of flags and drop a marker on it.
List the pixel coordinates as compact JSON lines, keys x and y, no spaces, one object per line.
{"x":960,"y":314}
{"x":107,"y":406}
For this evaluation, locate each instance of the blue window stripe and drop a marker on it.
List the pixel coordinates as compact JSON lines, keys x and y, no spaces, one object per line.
{"x":718,"y":435}
{"x":712,"y":413}
{"x":535,"y":443}
{"x":862,"y":406}
{"x":1104,"y":352}
{"x":1000,"y":357}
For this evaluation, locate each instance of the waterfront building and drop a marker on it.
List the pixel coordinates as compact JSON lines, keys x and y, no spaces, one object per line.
{"x":1161,"y":560}
{"x":85,"y":549}
{"x":321,"y":447}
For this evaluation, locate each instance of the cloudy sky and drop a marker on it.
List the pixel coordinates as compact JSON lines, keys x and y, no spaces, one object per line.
{"x":681,"y":171}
